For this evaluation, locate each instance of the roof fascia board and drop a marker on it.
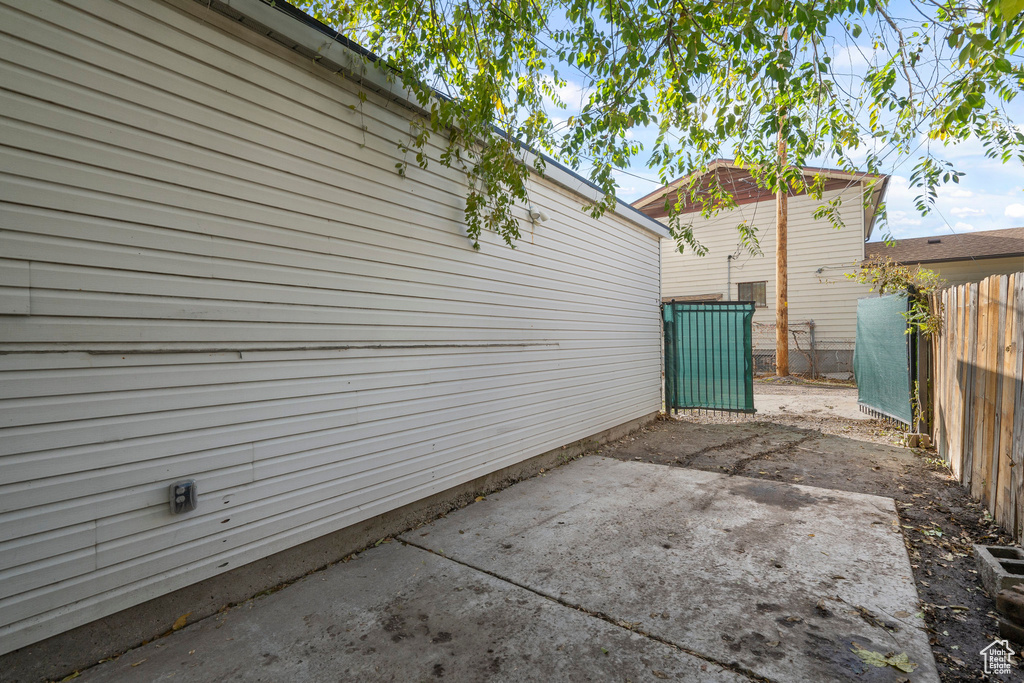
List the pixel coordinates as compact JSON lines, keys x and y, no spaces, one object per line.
{"x":363,"y":69}
{"x":332,"y":51}
{"x":876,"y":200}
{"x":832,"y":174}
{"x":678,"y":182}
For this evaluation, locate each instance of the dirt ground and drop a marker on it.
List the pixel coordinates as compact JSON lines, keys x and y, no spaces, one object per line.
{"x":813,"y":406}
{"x":940,"y":520}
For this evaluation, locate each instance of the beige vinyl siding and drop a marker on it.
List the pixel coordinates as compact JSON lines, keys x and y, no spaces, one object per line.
{"x":828,"y":298}
{"x":211,"y":269}
{"x":961,"y":272}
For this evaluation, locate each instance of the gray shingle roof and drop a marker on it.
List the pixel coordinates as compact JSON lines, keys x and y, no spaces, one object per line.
{"x":958,"y":247}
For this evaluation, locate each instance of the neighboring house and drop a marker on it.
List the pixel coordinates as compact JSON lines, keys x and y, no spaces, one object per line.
{"x":211,"y":270}
{"x":961,"y":257}
{"x":821,"y":298}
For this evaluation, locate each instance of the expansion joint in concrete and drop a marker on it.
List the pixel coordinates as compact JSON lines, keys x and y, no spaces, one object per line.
{"x":618,"y":623}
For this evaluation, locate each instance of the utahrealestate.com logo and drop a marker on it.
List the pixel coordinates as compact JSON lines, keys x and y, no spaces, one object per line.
{"x":998,"y":657}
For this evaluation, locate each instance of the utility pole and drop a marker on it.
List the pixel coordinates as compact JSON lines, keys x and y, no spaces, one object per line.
{"x":781,"y":256}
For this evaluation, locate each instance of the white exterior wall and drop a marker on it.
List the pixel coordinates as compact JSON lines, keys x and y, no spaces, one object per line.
{"x":960,"y":272}
{"x":211,"y":269}
{"x":828,"y":298}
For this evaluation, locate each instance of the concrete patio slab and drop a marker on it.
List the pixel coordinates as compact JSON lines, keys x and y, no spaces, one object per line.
{"x":600,"y":570}
{"x":399,"y":613}
{"x":779,"y":580}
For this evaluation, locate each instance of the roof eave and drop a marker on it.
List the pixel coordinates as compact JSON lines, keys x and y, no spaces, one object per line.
{"x":831,"y":173}
{"x":876,"y":201}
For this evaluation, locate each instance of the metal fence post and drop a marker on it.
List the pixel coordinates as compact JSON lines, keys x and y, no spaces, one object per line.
{"x":814,"y":350}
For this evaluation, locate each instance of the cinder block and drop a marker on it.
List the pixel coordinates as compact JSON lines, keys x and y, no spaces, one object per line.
{"x":1010,"y":605}
{"x":1000,"y":567}
{"x":1011,"y":631}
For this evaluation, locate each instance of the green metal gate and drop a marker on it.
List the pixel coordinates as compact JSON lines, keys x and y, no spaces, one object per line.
{"x":708,"y":358}
{"x":883,"y":357}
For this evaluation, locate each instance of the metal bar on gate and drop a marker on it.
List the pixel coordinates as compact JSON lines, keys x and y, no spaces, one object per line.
{"x":709,"y":352}
{"x":666,"y":317}
{"x":720,"y":315}
{"x":737,"y":360}
{"x":748,"y":359}
{"x":690,"y":357}
{"x":704,"y":356}
{"x":681,"y":368}
{"x":709,"y":356}
{"x":723,"y":356}
{"x":732,"y":364}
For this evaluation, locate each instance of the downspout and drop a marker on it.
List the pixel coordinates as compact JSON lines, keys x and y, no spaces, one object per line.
{"x":728,"y":278}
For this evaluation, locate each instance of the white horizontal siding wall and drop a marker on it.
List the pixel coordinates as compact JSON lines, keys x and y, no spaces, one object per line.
{"x":211,"y":269}
{"x":828,"y":298}
{"x":976,"y":270}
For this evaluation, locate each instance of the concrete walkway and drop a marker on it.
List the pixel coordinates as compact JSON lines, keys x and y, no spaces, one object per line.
{"x":600,"y":570}
{"x":773,"y":399}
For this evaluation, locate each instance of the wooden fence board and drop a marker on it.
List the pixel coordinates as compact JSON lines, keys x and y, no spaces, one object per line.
{"x":1017,"y":436}
{"x":956,"y":405}
{"x":976,"y":372}
{"x":992,"y":342}
{"x":972,"y":426}
{"x":957,"y":384}
{"x":1000,"y":492}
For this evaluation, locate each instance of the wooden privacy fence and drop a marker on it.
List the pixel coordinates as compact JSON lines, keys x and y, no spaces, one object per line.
{"x":976,"y":388}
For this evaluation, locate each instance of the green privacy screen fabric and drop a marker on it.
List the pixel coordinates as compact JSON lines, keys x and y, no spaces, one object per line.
{"x":708,"y":358}
{"x":881,"y":356}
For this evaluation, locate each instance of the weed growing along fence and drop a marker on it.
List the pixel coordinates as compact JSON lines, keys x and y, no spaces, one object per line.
{"x":977,"y":379}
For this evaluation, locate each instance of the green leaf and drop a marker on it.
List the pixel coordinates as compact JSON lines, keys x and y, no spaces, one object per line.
{"x":709,"y":82}
{"x":899,"y":661}
{"x":1011,"y":8}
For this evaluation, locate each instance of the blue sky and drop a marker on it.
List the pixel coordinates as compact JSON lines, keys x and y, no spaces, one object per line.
{"x":989,"y":197}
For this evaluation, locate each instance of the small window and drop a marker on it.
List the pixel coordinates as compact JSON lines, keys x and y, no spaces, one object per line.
{"x":753,"y":291}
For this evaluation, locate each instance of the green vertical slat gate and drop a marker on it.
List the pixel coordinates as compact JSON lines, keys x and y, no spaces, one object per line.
{"x":883,"y":357}
{"x":708,"y":356}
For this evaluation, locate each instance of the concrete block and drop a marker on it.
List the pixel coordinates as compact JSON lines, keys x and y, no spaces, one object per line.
{"x":1011,"y":631}
{"x":1000,"y":567}
{"x":1010,"y":605}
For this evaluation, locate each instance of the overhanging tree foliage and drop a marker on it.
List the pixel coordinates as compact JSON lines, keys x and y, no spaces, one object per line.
{"x":714,"y":78}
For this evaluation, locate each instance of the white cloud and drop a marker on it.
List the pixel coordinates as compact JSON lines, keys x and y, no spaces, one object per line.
{"x":630,"y":184}
{"x":954,"y":192}
{"x":571,"y":93}
{"x":903,"y":218}
{"x":856,"y":57}
{"x":900,"y":192}
{"x":897,"y":231}
{"x":1015,"y":211}
{"x":963,"y":227}
{"x":866,"y":144}
{"x":965,"y":211}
